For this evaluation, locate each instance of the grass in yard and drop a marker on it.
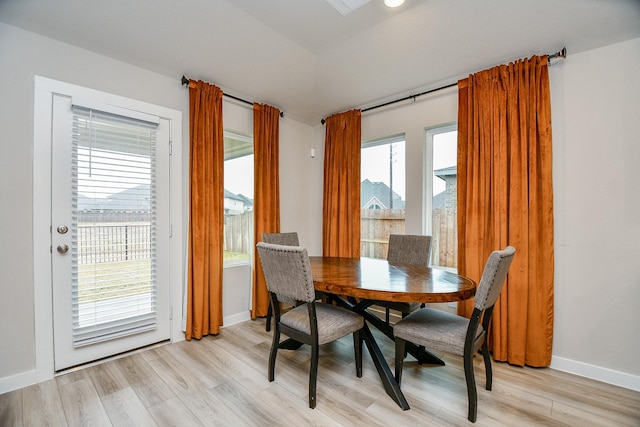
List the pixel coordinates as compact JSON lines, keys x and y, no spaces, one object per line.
{"x":233,"y":256}
{"x":108,"y":280}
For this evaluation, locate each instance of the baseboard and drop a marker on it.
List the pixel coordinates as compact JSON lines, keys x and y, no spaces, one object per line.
{"x":15,"y":382}
{"x":237,"y":318}
{"x":597,"y":373}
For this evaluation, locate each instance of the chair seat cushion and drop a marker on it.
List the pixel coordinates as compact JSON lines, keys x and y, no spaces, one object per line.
{"x":435,"y":329}
{"x":333,"y":322}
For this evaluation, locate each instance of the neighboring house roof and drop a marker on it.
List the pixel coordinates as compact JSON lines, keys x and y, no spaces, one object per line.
{"x":229,"y":195}
{"x":131,"y":199}
{"x":446,"y":174}
{"x":248,"y":203}
{"x":236,"y":203}
{"x":451,"y":170}
{"x":378,"y":190}
{"x":373,"y":203}
{"x":439,"y":200}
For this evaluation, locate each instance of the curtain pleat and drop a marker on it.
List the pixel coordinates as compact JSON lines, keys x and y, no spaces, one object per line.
{"x":341,"y":199}
{"x":206,"y":210}
{"x":505,"y":197}
{"x":266,"y":204}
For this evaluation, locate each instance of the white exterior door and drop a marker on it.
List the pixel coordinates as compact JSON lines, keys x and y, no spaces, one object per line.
{"x":110,"y":230}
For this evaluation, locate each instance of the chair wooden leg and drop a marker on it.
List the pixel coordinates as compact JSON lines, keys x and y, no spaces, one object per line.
{"x":268,"y":318}
{"x":274,"y":351}
{"x":387,"y":315}
{"x":471,"y":387}
{"x":313,"y":375}
{"x":400,"y":355}
{"x":487,"y":365}
{"x":357,"y":346}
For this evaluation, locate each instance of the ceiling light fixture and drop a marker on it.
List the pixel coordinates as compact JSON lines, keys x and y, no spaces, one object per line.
{"x":393,"y":3}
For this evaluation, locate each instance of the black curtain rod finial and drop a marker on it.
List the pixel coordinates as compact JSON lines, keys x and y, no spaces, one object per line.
{"x":185,"y":81}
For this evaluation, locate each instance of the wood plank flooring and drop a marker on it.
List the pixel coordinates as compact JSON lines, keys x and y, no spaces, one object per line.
{"x":222,"y":381}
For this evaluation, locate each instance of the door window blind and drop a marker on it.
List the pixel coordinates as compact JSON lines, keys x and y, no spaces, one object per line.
{"x":113,"y":226}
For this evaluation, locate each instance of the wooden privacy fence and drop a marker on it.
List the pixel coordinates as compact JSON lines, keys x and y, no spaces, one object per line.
{"x":378,"y":224}
{"x":98,"y":243}
{"x":375,"y":227}
{"x":238,"y":233}
{"x":444,"y":243}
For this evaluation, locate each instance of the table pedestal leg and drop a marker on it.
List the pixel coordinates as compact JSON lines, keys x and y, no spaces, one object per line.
{"x":388,"y":380}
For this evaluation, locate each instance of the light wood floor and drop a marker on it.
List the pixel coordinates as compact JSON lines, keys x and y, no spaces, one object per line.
{"x":222,"y":381}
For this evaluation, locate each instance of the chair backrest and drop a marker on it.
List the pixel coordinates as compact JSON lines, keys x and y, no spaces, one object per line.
{"x":288,"y":239}
{"x":409,"y":249}
{"x":287,"y":271}
{"x":493,"y":277}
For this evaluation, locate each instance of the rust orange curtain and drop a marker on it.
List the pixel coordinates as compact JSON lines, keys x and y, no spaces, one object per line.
{"x":341,"y":200}
{"x":505,"y":197}
{"x":206,"y":210}
{"x":266,"y":204}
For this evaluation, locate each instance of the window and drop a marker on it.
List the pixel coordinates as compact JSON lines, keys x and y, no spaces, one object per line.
{"x":441,"y":194}
{"x":238,"y":198}
{"x":382,"y":194}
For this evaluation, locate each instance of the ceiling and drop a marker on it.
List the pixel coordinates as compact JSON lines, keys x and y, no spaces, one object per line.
{"x":310,"y":61}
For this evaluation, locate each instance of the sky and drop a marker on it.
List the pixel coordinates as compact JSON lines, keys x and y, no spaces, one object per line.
{"x":238,"y":173}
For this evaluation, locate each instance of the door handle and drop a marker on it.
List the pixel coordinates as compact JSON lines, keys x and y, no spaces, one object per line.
{"x":63,"y":248}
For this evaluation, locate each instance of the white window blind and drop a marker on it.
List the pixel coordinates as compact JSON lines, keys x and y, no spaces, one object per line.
{"x":113,"y":226}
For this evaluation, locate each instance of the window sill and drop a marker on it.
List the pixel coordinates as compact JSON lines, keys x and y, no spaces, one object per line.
{"x":237,"y":263}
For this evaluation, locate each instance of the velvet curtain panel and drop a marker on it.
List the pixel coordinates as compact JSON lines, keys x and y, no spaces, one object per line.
{"x":341,"y":200}
{"x":505,"y":197}
{"x":266,"y":203}
{"x":206,"y":210}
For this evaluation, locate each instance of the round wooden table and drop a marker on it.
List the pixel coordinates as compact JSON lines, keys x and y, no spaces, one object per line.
{"x":356,"y":283}
{"x":377,"y":279}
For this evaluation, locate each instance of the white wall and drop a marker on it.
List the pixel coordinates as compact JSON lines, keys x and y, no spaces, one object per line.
{"x":596,"y":130}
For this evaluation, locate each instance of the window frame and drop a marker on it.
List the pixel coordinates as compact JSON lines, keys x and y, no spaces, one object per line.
{"x":427,"y":216}
{"x":239,"y":136}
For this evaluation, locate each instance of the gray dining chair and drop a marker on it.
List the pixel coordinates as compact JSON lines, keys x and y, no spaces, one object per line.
{"x":288,"y":275}
{"x":406,"y":249}
{"x":450,"y":333}
{"x":288,"y":239}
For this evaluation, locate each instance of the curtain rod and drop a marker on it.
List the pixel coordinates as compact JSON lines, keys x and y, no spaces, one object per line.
{"x":560,"y":54}
{"x":185,"y":81}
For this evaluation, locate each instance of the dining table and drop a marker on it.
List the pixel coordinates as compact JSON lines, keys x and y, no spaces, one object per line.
{"x":357,"y":283}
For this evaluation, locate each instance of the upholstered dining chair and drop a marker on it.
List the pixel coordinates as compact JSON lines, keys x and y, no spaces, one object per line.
{"x":443,"y":331}
{"x":406,"y":249}
{"x":288,"y":275}
{"x":288,"y":239}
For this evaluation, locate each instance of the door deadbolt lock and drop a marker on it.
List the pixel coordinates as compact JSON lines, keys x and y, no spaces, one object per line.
{"x":63,"y":248}
{"x":62,"y":229}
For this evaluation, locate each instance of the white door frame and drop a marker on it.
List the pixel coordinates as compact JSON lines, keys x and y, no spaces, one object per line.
{"x":42,"y":279}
